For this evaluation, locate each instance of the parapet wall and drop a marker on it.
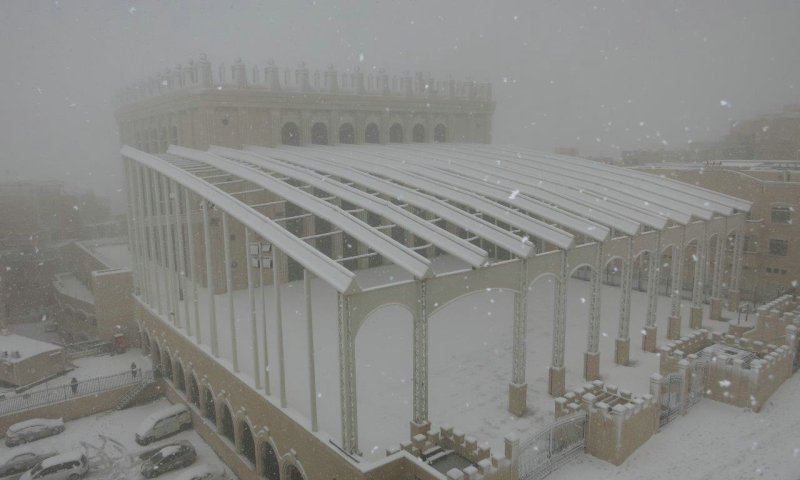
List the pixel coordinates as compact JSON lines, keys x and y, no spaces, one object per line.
{"x":673,"y":352}
{"x":486,"y":465}
{"x":618,"y":422}
{"x":772,"y":319}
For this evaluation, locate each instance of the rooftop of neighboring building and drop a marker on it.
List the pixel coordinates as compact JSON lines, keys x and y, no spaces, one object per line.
{"x":16,"y":348}
{"x":70,"y":285}
{"x":112,"y":252}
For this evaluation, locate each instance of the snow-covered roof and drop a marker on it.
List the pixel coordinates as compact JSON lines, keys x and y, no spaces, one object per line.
{"x":154,"y":417}
{"x":68,"y":284}
{"x":33,"y":422}
{"x":16,"y":348}
{"x":112,"y":252}
{"x":503,"y":196}
{"x":73,"y":456}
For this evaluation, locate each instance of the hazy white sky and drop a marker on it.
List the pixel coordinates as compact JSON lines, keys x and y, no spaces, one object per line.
{"x":602,"y":76}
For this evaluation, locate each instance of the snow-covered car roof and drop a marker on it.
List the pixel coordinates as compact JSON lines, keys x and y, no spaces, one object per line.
{"x":151,"y":420}
{"x":73,"y":456}
{"x":23,"y":449}
{"x":45,"y":422}
{"x":202,"y":469}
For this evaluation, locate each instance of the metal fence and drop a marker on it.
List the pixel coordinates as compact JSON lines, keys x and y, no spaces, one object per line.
{"x":561,"y":441}
{"x":62,"y":393}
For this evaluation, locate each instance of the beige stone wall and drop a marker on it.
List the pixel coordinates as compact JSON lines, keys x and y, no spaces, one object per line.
{"x":113,"y":305}
{"x":34,"y":368}
{"x":79,"y":407}
{"x":673,"y":352}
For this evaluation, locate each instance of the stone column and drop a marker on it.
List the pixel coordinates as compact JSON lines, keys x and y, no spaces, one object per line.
{"x":347,"y":378}
{"x":591,"y":358}
{"x":674,"y":326}
{"x":210,"y":287}
{"x":696,"y":311}
{"x":192,"y":266}
{"x":420,"y":422}
{"x":650,"y":329}
{"x":226,"y":252}
{"x":277,"y":267}
{"x":716,"y":279}
{"x":518,"y":388}
{"x":736,"y":271}
{"x":622,"y":345}
{"x":312,"y":376}
{"x":557,"y":373}
{"x":181,"y":259}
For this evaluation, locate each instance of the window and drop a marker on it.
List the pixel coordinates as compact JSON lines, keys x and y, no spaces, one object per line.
{"x":782,"y":214}
{"x":769,"y":270}
{"x":778,"y":247}
{"x":750,"y":244}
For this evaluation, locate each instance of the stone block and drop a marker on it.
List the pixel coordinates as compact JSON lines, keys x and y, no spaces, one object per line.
{"x":674,"y":328}
{"x":622,"y":349}
{"x":518,"y":399}
{"x":649,"y":339}
{"x":695,"y":317}
{"x":591,"y":365}
{"x":556,"y":385}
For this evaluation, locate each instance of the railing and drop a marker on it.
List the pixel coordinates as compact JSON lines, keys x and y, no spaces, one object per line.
{"x":63,"y":393}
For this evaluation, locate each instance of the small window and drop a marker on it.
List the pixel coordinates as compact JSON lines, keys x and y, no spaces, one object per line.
{"x":782,"y":214}
{"x":769,"y":270}
{"x":778,"y":247}
{"x":225,"y":121}
{"x":783,"y":272}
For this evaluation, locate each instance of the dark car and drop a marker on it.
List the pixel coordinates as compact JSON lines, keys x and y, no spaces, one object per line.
{"x":167,"y":458}
{"x":22,"y":459}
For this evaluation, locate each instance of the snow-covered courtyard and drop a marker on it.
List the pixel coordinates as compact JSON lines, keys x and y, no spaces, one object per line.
{"x":470,"y":356}
{"x":118,"y":426}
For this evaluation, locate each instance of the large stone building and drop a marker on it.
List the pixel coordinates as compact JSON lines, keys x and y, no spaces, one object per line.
{"x":233,"y":248}
{"x":189,"y":106}
{"x":772,"y":240}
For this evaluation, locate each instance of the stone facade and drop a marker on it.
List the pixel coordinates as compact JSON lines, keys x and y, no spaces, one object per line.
{"x":190,"y":106}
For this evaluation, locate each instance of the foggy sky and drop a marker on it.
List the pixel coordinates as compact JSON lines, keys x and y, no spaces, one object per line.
{"x":601,"y":76}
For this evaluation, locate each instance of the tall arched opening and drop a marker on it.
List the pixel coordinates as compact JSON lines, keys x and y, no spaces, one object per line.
{"x":271,"y":469}
{"x":290,"y":134}
{"x":247,"y":442}
{"x":211,"y":407}
{"x":292,"y":473}
{"x":180,"y":380}
{"x":194,"y":391}
{"x":319,"y":134}
{"x":227,"y":424}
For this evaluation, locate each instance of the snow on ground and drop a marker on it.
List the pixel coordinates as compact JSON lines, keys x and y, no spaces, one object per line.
{"x":120,"y":425}
{"x":470,"y":356}
{"x":714,"y":441}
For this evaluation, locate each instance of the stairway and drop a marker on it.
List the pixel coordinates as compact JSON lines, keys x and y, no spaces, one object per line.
{"x":125,"y":401}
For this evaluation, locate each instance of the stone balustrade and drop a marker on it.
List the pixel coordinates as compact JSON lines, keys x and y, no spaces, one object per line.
{"x":201,"y":74}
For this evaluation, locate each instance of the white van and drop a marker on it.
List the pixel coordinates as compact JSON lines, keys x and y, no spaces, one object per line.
{"x":164,"y":423}
{"x":65,"y":466}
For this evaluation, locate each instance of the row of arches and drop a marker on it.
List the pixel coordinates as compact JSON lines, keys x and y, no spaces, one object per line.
{"x":258,"y":448}
{"x":290,"y":134}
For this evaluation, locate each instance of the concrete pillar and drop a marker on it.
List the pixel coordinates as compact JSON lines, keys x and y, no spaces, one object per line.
{"x":248,"y":259}
{"x":557,"y":374}
{"x":736,"y":271}
{"x":226,"y":251}
{"x":674,"y":325}
{"x":192,"y":266}
{"x":622,"y":345}
{"x":181,"y":260}
{"x":347,"y":378}
{"x":591,"y":358}
{"x":277,"y":266}
{"x":650,"y":329}
{"x":312,"y":377}
{"x":518,"y":388}
{"x":420,"y":374}
{"x":696,"y":311}
{"x":212,"y":308}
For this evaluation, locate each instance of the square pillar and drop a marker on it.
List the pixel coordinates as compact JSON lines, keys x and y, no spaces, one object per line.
{"x":674,"y":328}
{"x":419,"y":428}
{"x":622,"y":349}
{"x":556,"y":381}
{"x":696,"y":318}
{"x":649,"y":339}
{"x":716,"y":309}
{"x":733,"y":300}
{"x":591,"y":366}
{"x":518,"y":399}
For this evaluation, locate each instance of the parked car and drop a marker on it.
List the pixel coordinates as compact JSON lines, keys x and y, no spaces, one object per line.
{"x":65,"y":466}
{"x":167,"y":458}
{"x":164,"y":423}
{"x":33,"y":429}
{"x":22,"y":459}
{"x":204,"y":471}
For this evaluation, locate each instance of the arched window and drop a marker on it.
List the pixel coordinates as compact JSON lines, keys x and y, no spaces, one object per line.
{"x":290,"y":134}
{"x":372,"y":134}
{"x":146,"y":344}
{"x":155,"y":353}
{"x":180,"y":381}
{"x":194,"y":391}
{"x":319,"y":134}
{"x":418,"y":133}
{"x":347,"y":134}
{"x":440,"y":133}
{"x":396,"y":133}
{"x":211,"y":407}
{"x":247,"y":442}
{"x":270,"y":463}
{"x":227,"y":424}
{"x":292,"y":473}
{"x":166,"y":366}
